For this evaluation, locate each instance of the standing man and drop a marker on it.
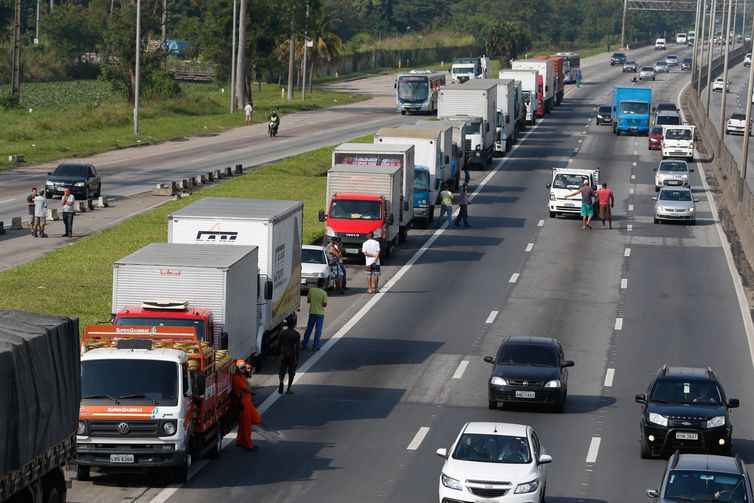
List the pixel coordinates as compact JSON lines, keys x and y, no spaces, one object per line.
{"x":249,"y":414}
{"x":446,"y":204}
{"x":607,"y":203}
{"x":67,"y":202}
{"x":40,"y":216}
{"x":317,"y":299}
{"x":587,"y":208}
{"x":248,"y":112}
{"x":371,"y":251}
{"x":290,"y":343}
{"x":30,"y":207}
{"x":463,"y":212}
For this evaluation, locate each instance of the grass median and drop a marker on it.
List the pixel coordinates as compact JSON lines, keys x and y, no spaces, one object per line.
{"x":76,"y":280}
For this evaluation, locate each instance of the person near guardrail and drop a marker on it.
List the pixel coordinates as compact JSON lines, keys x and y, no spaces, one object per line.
{"x":68,"y":201}
{"x":40,"y":216}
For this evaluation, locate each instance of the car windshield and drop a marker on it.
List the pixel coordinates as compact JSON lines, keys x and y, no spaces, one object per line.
{"x":421,"y":181}
{"x":665,"y":107}
{"x":660,"y":63}
{"x":492,"y":449}
{"x":130,"y":381}
{"x":647,"y":69}
{"x":678,"y":134}
{"x":619,"y":55}
{"x":198,"y":325}
{"x":413,"y":89}
{"x":566,"y":181}
{"x":71,"y":170}
{"x":523,"y":354}
{"x":739,"y":117}
{"x":674,"y":166}
{"x":679,"y":391}
{"x":627,"y":63}
{"x":309,"y":256}
{"x":668,"y":120}
{"x":604,"y":110}
{"x":355,"y":210}
{"x":634,"y":108}
{"x":692,"y":485}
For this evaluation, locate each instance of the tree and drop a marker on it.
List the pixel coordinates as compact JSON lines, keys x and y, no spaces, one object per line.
{"x":73,"y":29}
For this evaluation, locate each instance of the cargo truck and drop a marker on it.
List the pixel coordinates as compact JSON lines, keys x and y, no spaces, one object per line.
{"x":558,"y":89}
{"x":275,"y":227}
{"x":631,"y":110}
{"x":460,"y":126}
{"x":532,"y":88}
{"x":432,"y":167}
{"x":39,"y":405}
{"x":506,"y":116}
{"x":546,"y":69}
{"x":519,"y":115}
{"x":387,"y":156}
{"x":363,"y":200}
{"x":476,"y":98}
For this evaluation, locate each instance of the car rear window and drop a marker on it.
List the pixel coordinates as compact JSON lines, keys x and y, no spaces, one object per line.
{"x":656,"y":130}
{"x":674,"y":166}
{"x":668,"y":120}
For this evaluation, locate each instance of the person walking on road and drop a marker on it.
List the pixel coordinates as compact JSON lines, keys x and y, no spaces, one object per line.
{"x":607,"y":203}
{"x":30,"y":206}
{"x":335,"y":251}
{"x":40,"y":216}
{"x":290,"y":344}
{"x":446,"y":204}
{"x":587,"y":208}
{"x":248,"y":112}
{"x":317,"y":299}
{"x":463,"y":204}
{"x":371,"y":251}
{"x":68,"y":212}
{"x":249,"y":414}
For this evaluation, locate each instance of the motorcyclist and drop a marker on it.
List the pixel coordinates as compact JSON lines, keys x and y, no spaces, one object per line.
{"x":274,"y":121}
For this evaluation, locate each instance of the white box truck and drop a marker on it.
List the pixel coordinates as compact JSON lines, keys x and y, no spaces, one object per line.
{"x":222,"y":280}
{"x":533,"y":97}
{"x":475,"y":98}
{"x":460,"y":126}
{"x":387,"y":156}
{"x":363,"y":200}
{"x":506,"y":116}
{"x":545,"y":68}
{"x":274,"y":226}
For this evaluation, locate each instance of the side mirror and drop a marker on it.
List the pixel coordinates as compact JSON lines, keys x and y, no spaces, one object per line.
{"x":49,"y":173}
{"x":654,"y":169}
{"x":443,"y":453}
{"x":198,"y":386}
{"x":268,"y":290}
{"x":544,"y":459}
{"x":641,"y":398}
{"x":653,"y":493}
{"x":322,"y":216}
{"x":734,"y":403}
{"x":654,"y":198}
{"x":489,"y":359}
{"x":566,"y":363}
{"x":691,"y":170}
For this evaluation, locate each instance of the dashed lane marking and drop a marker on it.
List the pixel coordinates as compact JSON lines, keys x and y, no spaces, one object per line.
{"x":630,"y":207}
{"x":618,"y":324}
{"x":623,"y":283}
{"x":609,"y":376}
{"x":627,"y":252}
{"x":541,"y":223}
{"x":418,"y":438}
{"x":458,"y":374}
{"x":529,"y":247}
{"x":629,"y":227}
{"x":514,"y":278}
{"x":594,"y":450}
{"x":491,"y":317}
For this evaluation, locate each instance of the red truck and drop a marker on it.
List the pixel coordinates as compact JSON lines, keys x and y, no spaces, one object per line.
{"x":558,"y":63}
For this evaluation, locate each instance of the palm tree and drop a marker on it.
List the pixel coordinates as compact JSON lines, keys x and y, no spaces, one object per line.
{"x":327,"y":44}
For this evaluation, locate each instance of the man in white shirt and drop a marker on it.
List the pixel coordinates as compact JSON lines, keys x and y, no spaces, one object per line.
{"x":248,"y":110}
{"x":371,"y":251}
{"x":40,"y":216}
{"x":68,"y":212}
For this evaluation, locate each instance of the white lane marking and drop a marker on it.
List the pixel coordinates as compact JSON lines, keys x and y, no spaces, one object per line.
{"x":461,"y":369}
{"x":636,"y":152}
{"x":580,"y":140}
{"x":491,"y":317}
{"x":627,"y":252}
{"x":743,"y":303}
{"x":631,"y":190}
{"x":618,"y":324}
{"x":594,"y":450}
{"x":623,"y":283}
{"x":633,"y":177}
{"x":583,"y":132}
{"x":630,"y":207}
{"x":514,"y":278}
{"x":609,"y":376}
{"x":529,"y":247}
{"x":418,"y":438}
{"x":629,"y":227}
{"x":633,"y":164}
{"x":541,"y":223}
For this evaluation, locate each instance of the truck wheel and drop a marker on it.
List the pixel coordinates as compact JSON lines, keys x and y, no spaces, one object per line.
{"x":553,"y":214}
{"x":180,"y":473}
{"x":54,"y":488}
{"x":83,"y":473}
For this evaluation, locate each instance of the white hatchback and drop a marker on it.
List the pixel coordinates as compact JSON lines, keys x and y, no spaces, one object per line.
{"x":494,"y":462}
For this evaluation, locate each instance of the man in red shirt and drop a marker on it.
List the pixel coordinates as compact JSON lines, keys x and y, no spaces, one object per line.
{"x":606,"y":201}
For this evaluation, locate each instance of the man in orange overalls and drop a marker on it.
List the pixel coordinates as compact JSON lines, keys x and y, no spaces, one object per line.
{"x":249,"y":414}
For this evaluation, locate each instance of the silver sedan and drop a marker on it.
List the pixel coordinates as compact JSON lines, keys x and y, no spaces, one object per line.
{"x":675,"y":203}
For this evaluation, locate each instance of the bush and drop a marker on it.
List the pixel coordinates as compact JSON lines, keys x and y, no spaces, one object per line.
{"x":158,"y":84}
{"x":8,"y":101}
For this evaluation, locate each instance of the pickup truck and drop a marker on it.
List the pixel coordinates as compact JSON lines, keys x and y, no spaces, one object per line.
{"x":564,"y":182}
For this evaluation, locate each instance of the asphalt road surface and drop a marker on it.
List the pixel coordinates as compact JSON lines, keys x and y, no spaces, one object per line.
{"x":409,"y":360}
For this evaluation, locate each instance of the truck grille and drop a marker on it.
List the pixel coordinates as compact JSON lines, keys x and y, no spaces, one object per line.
{"x":114,"y":429}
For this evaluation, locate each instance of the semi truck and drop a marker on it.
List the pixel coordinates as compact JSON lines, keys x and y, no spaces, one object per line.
{"x":275,"y":227}
{"x":546,"y":69}
{"x":39,"y":405}
{"x":506,"y":116}
{"x":476,"y":98}
{"x":631,"y":110}
{"x":532,"y":88}
{"x":387,"y":156}
{"x":364,"y":200}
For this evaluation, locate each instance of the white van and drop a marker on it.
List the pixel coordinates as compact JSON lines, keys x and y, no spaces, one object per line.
{"x":660,"y":44}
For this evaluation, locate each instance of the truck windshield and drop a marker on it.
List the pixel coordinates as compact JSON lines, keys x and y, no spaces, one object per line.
{"x":634,"y":108}
{"x":421,"y":181}
{"x":678,"y":134}
{"x":130,"y":381}
{"x":201,"y":330}
{"x":355,"y":210}
{"x":473,"y":127}
{"x":462,"y":70}
{"x":413,"y":89}
{"x":567,"y":181}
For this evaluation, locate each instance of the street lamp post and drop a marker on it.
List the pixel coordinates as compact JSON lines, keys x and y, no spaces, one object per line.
{"x":701,"y":49}
{"x":233,"y":61}
{"x":694,"y":54}
{"x":725,"y":69}
{"x":138,"y":68}
{"x":623,"y":25}
{"x":711,"y":51}
{"x":747,"y":128}
{"x":306,"y":45}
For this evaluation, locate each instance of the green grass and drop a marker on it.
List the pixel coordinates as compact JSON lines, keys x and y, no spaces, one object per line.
{"x":84,"y":118}
{"x":76,"y":280}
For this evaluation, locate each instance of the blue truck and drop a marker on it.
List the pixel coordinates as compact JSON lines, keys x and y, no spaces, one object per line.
{"x":631,"y":110}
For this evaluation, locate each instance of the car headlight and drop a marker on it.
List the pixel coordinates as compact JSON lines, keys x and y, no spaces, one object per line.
{"x":716,"y":421}
{"x":81,"y":430}
{"x":79,"y":184}
{"x":498,"y":381}
{"x":169,"y":428}
{"x":552,"y":196}
{"x":378,"y":232}
{"x":322,"y":275}
{"x":528,"y":487}
{"x":451,"y":483}
{"x":555,"y":383}
{"x":49,"y":183}
{"x":329,"y":231}
{"x":691,"y":210}
{"x":659,"y":419}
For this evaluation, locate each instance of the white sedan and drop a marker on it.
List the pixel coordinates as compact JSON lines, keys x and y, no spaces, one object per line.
{"x":494,"y":462}
{"x":316,"y":265}
{"x":719,"y":84}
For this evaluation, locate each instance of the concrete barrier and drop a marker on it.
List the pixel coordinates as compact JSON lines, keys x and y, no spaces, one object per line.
{"x":101,"y":202}
{"x":164,"y":189}
{"x":2,"y":227}
{"x":16,"y":224}
{"x":218,"y":174}
{"x":210,"y":176}
{"x":239,"y":169}
{"x":52,"y":215}
{"x":228,"y":171}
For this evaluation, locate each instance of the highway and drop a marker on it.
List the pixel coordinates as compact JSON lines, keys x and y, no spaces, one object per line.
{"x":403,"y":370}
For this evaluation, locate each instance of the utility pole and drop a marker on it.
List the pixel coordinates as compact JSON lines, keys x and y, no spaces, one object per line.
{"x":701,"y":49}
{"x":137,"y":72}
{"x":725,"y":72}
{"x":711,"y":51}
{"x":36,"y":26}
{"x":241,"y":58}
{"x":233,"y":60}
{"x":694,"y":54}
{"x":164,"y":22}
{"x":306,"y":44}
{"x":747,"y":127}
{"x":15,"y":82}
{"x":623,"y":26}
{"x":291,"y":41}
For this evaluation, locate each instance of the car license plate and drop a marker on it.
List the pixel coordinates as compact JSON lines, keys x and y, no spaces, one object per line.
{"x":121,"y":458}
{"x":352,"y":250}
{"x":686,"y":436}
{"x":525,"y":394}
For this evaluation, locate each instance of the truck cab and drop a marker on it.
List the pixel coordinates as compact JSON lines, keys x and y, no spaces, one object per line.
{"x":631,"y":110}
{"x":353,"y":216}
{"x":462,"y":72}
{"x":168,"y":314}
{"x":678,"y":141}
{"x":564,"y":182}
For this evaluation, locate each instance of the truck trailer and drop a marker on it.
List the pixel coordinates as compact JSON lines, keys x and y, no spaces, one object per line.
{"x":506,"y":116}
{"x":532,"y":88}
{"x":546,"y":69}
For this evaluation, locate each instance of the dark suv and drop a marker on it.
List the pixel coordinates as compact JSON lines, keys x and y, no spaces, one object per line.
{"x":618,"y":58}
{"x":685,"y":409}
{"x":529,"y":370}
{"x":604,"y":115}
{"x":700,"y":477}
{"x":82,"y":179}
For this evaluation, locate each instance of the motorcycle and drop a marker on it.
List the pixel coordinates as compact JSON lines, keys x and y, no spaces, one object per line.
{"x":272,"y":127}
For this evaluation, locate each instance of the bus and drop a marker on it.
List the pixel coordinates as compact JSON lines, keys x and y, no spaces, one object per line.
{"x":571,"y":62}
{"x":416,"y":91}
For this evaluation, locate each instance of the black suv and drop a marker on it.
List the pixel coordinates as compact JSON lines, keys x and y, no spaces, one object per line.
{"x":604,"y":115}
{"x":685,"y":409}
{"x":81,"y":179}
{"x":529,"y":370}
{"x":618,"y":58}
